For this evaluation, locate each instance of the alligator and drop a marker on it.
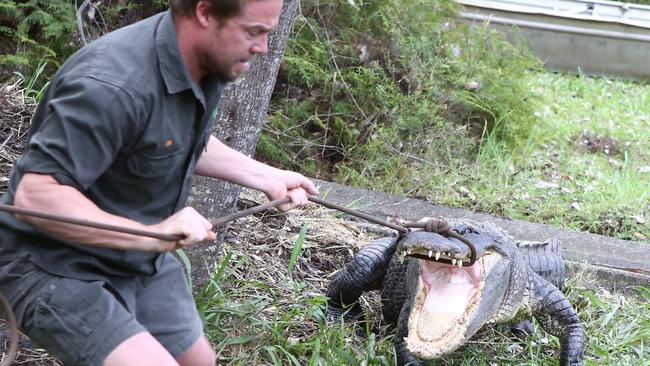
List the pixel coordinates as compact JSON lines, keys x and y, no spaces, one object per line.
{"x":436,"y":300}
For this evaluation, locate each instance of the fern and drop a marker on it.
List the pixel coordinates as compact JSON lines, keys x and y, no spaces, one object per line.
{"x":45,"y":32}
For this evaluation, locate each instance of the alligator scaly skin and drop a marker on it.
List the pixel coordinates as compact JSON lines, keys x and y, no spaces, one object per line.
{"x":537,"y":272}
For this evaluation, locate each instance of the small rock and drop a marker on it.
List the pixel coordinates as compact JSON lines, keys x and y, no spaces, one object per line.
{"x":615,"y":164}
{"x":547,"y":185}
{"x":472,"y":85}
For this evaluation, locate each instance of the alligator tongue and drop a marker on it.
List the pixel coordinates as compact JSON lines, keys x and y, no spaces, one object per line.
{"x":448,"y":292}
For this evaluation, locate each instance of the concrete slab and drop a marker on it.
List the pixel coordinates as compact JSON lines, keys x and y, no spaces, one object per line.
{"x":615,"y":264}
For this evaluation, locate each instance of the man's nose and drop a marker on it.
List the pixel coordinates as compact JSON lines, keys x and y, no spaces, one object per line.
{"x":262,"y":45}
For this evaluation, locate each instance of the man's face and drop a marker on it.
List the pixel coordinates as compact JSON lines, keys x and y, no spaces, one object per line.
{"x":233,"y":42}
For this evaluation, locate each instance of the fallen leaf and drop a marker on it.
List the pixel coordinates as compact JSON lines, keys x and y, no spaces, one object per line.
{"x":547,"y":185}
{"x":639,"y":236}
{"x":615,"y":164}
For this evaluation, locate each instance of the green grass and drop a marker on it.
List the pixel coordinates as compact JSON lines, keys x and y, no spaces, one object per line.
{"x":553,"y":179}
{"x":550,"y":177}
{"x":253,"y":321}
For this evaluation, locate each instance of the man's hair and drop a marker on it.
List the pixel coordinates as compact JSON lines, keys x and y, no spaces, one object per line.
{"x":221,"y":9}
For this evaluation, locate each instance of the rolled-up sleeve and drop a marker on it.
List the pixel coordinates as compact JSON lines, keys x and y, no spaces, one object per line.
{"x":87,"y":122}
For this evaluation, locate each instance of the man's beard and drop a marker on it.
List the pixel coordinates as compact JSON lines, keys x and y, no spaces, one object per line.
{"x":217,"y":69}
{"x":221,"y":73}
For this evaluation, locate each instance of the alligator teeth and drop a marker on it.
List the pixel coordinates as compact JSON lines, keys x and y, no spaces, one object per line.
{"x":430,"y":254}
{"x":453,"y":262}
{"x":437,"y":255}
{"x":401,"y":257}
{"x":410,"y":251}
{"x":460,"y":263}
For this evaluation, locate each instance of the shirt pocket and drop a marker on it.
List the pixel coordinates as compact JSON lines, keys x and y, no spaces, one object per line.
{"x":156,"y":164}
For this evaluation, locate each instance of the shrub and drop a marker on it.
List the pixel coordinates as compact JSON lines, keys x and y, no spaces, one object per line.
{"x":365,"y":87}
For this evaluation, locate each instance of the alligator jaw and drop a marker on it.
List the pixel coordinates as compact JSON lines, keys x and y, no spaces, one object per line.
{"x":447,"y":297}
{"x":438,"y":256}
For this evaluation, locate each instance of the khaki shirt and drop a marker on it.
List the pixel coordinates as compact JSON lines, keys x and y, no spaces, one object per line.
{"x":124,"y":123}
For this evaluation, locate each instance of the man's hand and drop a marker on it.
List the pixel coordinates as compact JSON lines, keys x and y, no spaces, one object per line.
{"x":291,"y":184}
{"x":188,"y":223}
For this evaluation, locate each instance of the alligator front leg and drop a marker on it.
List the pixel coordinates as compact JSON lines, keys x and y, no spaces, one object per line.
{"x":553,"y":311}
{"x":364,"y":273}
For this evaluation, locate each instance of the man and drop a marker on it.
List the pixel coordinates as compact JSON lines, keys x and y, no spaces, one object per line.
{"x":121,"y":129}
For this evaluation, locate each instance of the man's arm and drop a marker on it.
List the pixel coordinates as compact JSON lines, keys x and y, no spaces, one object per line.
{"x":43,"y":193}
{"x":222,"y":162}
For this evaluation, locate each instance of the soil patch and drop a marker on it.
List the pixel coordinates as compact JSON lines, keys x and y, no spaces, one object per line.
{"x":15,"y":115}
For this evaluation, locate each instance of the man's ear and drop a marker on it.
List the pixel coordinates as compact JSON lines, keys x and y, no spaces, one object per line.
{"x":203,"y":12}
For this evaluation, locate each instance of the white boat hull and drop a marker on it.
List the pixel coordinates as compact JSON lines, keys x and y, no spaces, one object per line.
{"x":612,"y":39}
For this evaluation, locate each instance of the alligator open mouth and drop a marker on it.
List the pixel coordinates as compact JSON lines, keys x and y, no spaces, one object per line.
{"x":447,"y":296}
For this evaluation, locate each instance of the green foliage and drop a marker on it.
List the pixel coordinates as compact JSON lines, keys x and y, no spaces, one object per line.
{"x":34,"y":33}
{"x":42,"y":30}
{"x":187,"y":264}
{"x":33,"y":87}
{"x":361,"y":89}
{"x":297,"y":247}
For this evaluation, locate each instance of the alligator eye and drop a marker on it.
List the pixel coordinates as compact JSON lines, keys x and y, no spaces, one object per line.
{"x":463,"y":229}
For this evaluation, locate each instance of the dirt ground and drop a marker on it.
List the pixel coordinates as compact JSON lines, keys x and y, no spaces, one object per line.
{"x":15,"y":114}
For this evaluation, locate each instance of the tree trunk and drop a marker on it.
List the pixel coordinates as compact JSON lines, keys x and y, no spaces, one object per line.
{"x":242,"y":113}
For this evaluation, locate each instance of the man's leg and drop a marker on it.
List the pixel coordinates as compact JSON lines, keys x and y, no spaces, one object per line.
{"x":165,"y":306}
{"x":80,"y":322}
{"x":141,"y":349}
{"x":200,"y":353}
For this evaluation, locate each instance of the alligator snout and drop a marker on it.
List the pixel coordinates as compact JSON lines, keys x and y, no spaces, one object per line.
{"x":434,"y":247}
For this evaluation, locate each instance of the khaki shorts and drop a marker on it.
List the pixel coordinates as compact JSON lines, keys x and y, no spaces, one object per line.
{"x":81,"y":322}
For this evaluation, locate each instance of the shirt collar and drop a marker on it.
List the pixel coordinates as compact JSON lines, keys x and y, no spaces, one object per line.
{"x":174,"y":71}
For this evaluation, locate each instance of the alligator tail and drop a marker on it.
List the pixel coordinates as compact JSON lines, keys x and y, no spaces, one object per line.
{"x":557,"y":317}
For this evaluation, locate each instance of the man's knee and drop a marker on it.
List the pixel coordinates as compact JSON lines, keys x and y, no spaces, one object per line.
{"x":200,"y":353}
{"x":141,"y":349}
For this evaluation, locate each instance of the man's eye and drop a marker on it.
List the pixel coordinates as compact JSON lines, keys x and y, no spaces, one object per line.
{"x":254,"y":32}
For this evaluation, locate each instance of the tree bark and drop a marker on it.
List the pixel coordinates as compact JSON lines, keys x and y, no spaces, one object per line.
{"x":242,"y":113}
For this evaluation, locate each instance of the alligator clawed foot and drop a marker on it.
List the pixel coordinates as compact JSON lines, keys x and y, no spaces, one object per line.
{"x":348,"y":314}
{"x":521,"y":330}
{"x":353,"y":315}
